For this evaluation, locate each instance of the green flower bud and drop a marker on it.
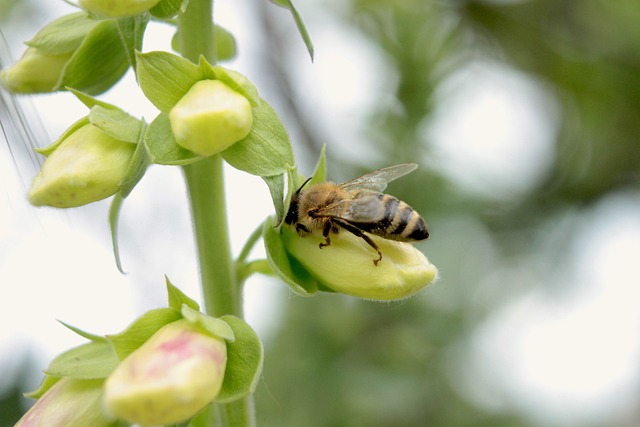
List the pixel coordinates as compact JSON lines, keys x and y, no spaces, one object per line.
{"x":168,"y":379}
{"x":35,"y":72}
{"x":118,"y":8}
{"x":87,"y":166}
{"x":69,"y":403}
{"x":210,"y":118}
{"x":346,"y":265}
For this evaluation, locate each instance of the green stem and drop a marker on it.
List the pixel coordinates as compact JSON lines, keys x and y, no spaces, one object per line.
{"x":205,"y":182}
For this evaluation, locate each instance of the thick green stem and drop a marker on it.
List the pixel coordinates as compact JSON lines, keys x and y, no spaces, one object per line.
{"x":205,"y":182}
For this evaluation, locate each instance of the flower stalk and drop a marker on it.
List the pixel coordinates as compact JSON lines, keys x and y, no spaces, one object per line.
{"x":205,"y":183}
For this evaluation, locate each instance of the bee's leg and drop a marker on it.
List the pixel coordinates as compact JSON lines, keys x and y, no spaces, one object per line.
{"x":326,"y":229}
{"x":302,"y":230}
{"x":359,"y":233}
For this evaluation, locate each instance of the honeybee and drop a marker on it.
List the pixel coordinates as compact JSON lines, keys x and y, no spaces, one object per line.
{"x":359,"y":207}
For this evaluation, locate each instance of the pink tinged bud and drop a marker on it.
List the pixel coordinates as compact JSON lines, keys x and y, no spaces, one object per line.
{"x":172,"y":376}
{"x":87,"y":166}
{"x":35,"y":72}
{"x":210,"y":118}
{"x":69,"y":403}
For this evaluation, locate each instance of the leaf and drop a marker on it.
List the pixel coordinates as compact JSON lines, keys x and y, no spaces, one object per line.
{"x":98,"y":63}
{"x":284,"y":266}
{"x":162,"y":146}
{"x":46,"y":384}
{"x":83,"y":334}
{"x":88,"y":361}
{"x":114,"y":214}
{"x":141,"y":330}
{"x":165,"y":78}
{"x":64,"y":34}
{"x":46,"y":151}
{"x":89,"y":100}
{"x":165,"y":9}
{"x":234,"y":80}
{"x":210,"y":325}
{"x":266,"y":150}
{"x":244,"y":361}
{"x":137,"y":166}
{"x":116,"y":123}
{"x":177,"y":298}
{"x":276,"y":188}
{"x":131,"y":31}
{"x":302,"y":29}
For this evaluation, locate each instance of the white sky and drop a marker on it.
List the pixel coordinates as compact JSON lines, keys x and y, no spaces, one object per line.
{"x":572,"y":357}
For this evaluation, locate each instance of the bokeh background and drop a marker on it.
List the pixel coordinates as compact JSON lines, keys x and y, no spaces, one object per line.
{"x":525,"y":119}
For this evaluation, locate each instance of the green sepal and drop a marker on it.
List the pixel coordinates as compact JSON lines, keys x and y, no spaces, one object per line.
{"x":168,"y":8}
{"x":177,"y":298}
{"x":46,"y":151}
{"x":116,"y":123}
{"x":276,"y":189}
{"x":45,"y":385}
{"x":233,"y":79}
{"x":320,"y":171}
{"x":208,"y":324}
{"x":99,"y":62}
{"x":141,"y":330}
{"x":83,"y":334}
{"x":162,"y":146}
{"x":266,"y":150}
{"x":114,"y":214}
{"x":244,"y":361}
{"x":93,"y":360}
{"x":165,"y":78}
{"x":302,"y":29}
{"x":132,"y":33}
{"x":64,"y":34}
{"x":88,"y":100}
{"x":287,"y":268}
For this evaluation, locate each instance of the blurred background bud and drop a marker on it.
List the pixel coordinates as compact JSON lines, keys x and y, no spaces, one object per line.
{"x":69,"y":403}
{"x":35,"y":72}
{"x":118,"y":8}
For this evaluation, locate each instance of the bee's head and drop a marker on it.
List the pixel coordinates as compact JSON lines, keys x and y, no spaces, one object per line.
{"x":292,"y":212}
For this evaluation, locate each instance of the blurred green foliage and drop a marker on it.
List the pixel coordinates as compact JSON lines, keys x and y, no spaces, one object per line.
{"x":339,"y":362}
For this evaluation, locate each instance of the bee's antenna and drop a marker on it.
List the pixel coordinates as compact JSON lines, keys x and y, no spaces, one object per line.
{"x":303,"y":184}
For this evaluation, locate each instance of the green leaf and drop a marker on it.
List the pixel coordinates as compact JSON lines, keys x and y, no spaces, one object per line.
{"x":46,"y":384}
{"x":168,"y":8}
{"x":89,"y":100}
{"x":64,"y":34}
{"x":131,"y":31}
{"x":88,"y":361}
{"x":177,"y":298}
{"x":285,"y":267}
{"x":302,"y":29}
{"x":114,"y":214}
{"x":46,"y":151}
{"x":208,"y":324}
{"x":141,"y":330}
{"x":162,"y":146}
{"x":266,"y":150}
{"x":83,"y":334}
{"x":99,"y":62}
{"x":244,"y":361}
{"x":116,"y":123}
{"x":138,"y":165}
{"x":276,"y":188}
{"x":234,"y":80}
{"x":165,"y":78}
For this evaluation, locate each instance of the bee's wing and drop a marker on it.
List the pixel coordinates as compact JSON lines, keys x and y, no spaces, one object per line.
{"x":378,"y":180}
{"x":363,"y":209}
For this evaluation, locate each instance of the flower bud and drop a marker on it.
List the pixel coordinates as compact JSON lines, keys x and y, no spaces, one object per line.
{"x":177,"y":372}
{"x":210,"y":118}
{"x":118,"y":8}
{"x":86,"y":167}
{"x":35,"y":72}
{"x":69,"y":403}
{"x":347,"y":266}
